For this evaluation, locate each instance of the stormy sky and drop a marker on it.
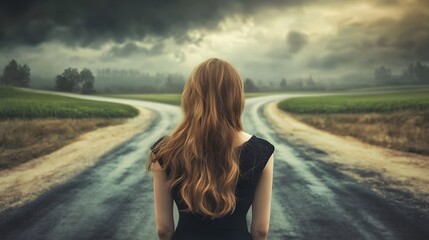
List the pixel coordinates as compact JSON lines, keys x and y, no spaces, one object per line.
{"x":265,"y":40}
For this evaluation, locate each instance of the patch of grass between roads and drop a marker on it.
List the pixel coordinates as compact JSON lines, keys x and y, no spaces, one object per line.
{"x":365,"y":103}
{"x":22,"y":140}
{"x":393,"y":120}
{"x":168,"y":98}
{"x":35,"y":124}
{"x":19,"y":104}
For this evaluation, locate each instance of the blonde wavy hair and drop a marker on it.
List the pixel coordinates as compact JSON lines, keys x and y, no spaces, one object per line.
{"x":200,"y":155}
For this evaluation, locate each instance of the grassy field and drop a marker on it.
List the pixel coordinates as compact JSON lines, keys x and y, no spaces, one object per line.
{"x":20,"y":104}
{"x":168,"y":98}
{"x":419,"y":87}
{"x":376,"y":103}
{"x":259,"y":94}
{"x":393,"y":120}
{"x":34,"y":124}
{"x":22,"y":140}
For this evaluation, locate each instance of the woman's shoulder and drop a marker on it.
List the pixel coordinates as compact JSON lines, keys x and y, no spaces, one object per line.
{"x":263,"y":146}
{"x":260,"y":145}
{"x":255,"y":157}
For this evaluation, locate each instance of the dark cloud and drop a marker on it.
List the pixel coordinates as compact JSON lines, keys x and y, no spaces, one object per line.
{"x":332,"y":60}
{"x":296,"y":41}
{"x":394,"y":41}
{"x":409,"y":35}
{"x":131,"y":48}
{"x":89,"y":23}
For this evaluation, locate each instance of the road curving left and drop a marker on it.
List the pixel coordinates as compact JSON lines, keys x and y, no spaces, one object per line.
{"x":27,"y":181}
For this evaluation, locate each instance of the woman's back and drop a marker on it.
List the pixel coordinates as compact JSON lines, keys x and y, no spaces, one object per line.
{"x":254,"y":155}
{"x":212,"y":176}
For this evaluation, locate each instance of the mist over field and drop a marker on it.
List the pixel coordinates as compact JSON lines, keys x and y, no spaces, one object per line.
{"x":138,"y":46}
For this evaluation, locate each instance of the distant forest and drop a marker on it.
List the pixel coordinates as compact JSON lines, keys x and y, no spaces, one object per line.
{"x":110,"y":80}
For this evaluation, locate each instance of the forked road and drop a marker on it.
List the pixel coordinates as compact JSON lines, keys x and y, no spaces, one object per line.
{"x":113,"y":199}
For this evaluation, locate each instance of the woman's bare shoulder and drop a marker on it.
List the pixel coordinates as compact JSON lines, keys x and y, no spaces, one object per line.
{"x":247,"y":135}
{"x":243,"y":137}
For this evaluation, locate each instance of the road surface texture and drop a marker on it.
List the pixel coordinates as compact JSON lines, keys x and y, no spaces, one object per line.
{"x":113,"y":199}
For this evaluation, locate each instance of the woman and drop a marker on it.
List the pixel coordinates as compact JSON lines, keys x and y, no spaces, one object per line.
{"x":210,"y":167}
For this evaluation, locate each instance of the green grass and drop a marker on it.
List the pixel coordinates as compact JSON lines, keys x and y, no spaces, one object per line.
{"x":15,"y":103}
{"x":258,"y":94}
{"x":395,"y":88}
{"x":380,"y":102}
{"x":168,"y":98}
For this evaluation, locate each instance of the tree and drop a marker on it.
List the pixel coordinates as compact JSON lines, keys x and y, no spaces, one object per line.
{"x":283,"y":84}
{"x":249,"y":85}
{"x":174,"y":83}
{"x":422,"y":72}
{"x":419,"y":72}
{"x":73,"y":81}
{"x":15,"y":74}
{"x":87,"y":80}
{"x":309,"y":83}
{"x":382,"y":75}
{"x":24,"y":75}
{"x":68,"y":81}
{"x":10,"y":73}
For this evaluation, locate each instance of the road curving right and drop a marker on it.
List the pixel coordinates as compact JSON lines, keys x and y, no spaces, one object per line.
{"x":379,"y":167}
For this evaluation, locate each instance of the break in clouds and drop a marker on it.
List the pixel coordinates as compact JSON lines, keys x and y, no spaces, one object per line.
{"x":266,"y":40}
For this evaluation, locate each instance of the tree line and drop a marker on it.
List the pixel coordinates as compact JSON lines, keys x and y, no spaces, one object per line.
{"x":127,"y":81}
{"x":416,"y":73}
{"x":71,"y":80}
{"x":111,"y":80}
{"x":134,"y":81}
{"x":15,"y":74}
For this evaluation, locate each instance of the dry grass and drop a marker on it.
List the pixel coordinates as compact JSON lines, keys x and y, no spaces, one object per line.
{"x":386,"y":170}
{"x":27,"y":181}
{"x":23,"y":140}
{"x":402,"y":130}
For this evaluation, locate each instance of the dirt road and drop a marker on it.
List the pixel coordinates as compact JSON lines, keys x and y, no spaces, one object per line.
{"x":311,"y":199}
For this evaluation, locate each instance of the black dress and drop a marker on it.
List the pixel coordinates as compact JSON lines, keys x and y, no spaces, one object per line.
{"x":254,"y":156}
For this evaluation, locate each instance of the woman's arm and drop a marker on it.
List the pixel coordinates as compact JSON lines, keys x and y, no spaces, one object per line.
{"x":262,"y":203}
{"x":163,"y":203}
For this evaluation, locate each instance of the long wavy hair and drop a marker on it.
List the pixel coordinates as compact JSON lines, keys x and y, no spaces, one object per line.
{"x":200,"y":155}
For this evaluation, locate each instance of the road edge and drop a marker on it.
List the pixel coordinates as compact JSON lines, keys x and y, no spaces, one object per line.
{"x":26,"y":182}
{"x":397,"y":171}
